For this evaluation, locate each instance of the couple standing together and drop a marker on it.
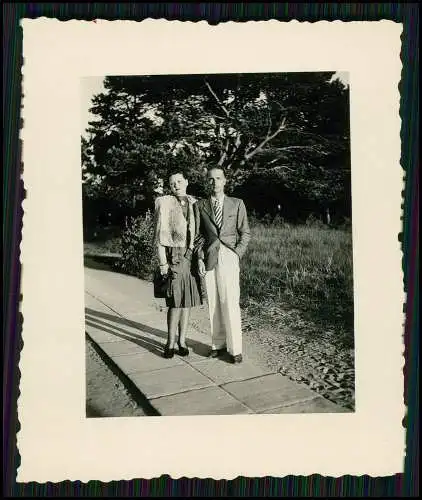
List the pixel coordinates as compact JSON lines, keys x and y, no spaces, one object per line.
{"x":199,"y":245}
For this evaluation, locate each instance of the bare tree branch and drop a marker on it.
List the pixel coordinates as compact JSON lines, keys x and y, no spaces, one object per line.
{"x":283,"y":167}
{"x":274,"y":161}
{"x":217,"y":99}
{"x":235,"y":147}
{"x":249,"y":147}
{"x":218,"y":116}
{"x":238,"y":141}
{"x":278,"y":167}
{"x":224,"y":153}
{"x":270,"y":122}
{"x":287,"y":148}
{"x":267,"y":139}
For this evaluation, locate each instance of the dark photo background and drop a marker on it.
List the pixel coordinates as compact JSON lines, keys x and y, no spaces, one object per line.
{"x":397,"y":485}
{"x":284,"y":140}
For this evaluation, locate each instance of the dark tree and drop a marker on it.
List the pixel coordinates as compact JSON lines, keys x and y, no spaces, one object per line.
{"x":291,"y":130}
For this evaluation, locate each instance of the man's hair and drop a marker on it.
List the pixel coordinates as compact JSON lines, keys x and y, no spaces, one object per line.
{"x":177,"y":170}
{"x":217,"y":167}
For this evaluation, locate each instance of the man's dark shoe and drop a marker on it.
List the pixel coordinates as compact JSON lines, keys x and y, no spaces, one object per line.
{"x":236,"y":359}
{"x":217,"y":352}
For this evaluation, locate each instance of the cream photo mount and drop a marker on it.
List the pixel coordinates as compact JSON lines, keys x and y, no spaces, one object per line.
{"x":56,"y":441}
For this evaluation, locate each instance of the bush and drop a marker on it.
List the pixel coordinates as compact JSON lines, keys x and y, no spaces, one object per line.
{"x":268,"y":220}
{"x":312,"y":221}
{"x":346,"y":224}
{"x":138,"y":257}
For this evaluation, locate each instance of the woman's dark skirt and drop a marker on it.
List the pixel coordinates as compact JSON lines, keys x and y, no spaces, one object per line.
{"x":186,"y":289}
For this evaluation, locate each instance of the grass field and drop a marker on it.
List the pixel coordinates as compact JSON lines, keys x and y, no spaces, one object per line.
{"x":309,"y":268}
{"x":111,"y":246}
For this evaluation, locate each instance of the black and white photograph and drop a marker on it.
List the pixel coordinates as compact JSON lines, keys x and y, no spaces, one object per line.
{"x":210,"y":250}
{"x":217,"y":223}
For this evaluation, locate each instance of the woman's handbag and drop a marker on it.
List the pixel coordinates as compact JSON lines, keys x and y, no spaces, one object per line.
{"x":162,"y":284}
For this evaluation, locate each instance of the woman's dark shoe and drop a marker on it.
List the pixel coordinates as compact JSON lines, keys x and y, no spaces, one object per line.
{"x":168,"y":353}
{"x":183,"y":351}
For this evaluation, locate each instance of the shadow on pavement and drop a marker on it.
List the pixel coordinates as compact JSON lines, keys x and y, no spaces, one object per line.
{"x":101,"y":262}
{"x":138,"y":397}
{"x":115,"y":325}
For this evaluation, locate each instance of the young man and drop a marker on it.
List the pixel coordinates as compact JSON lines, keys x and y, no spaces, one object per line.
{"x":224,"y":235}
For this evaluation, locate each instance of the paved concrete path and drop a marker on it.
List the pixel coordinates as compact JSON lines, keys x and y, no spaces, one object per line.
{"x":129,"y":325}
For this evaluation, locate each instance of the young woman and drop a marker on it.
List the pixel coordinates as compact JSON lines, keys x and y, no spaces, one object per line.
{"x":176,"y":219}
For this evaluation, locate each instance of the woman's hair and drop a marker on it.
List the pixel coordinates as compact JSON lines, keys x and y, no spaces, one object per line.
{"x":177,"y":170}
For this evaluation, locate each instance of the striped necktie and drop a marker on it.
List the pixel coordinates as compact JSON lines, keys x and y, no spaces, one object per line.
{"x":218,"y":213}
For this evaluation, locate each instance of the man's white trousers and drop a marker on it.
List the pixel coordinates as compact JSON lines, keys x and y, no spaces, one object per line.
{"x":223,"y":291}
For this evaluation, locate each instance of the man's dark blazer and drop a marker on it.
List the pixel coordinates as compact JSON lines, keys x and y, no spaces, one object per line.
{"x":234,"y":233}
